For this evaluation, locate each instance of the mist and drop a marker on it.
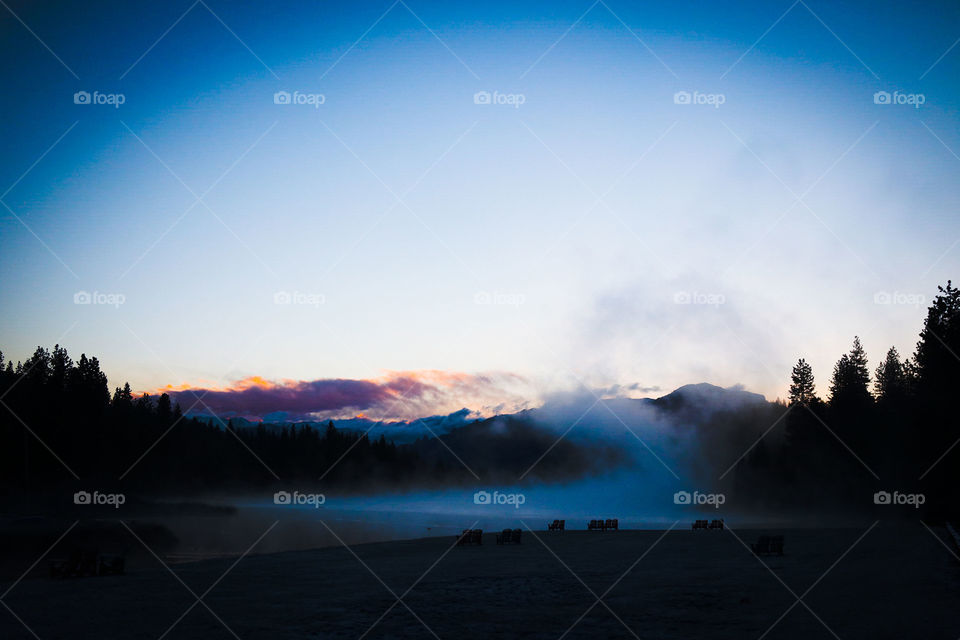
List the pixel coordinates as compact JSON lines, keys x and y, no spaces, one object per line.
{"x":580,"y":458}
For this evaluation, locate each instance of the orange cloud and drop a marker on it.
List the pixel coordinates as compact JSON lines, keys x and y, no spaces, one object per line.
{"x":394,"y":395}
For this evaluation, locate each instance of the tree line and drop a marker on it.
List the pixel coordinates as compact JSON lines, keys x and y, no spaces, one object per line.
{"x":896,"y":430}
{"x":60,"y":424}
{"x":60,"y":421}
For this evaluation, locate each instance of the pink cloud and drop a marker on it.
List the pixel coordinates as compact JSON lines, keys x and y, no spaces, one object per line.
{"x":396,"y":395}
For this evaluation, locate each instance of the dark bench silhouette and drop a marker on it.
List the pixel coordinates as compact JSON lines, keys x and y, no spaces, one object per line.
{"x":509,"y":536}
{"x":111,"y":564}
{"x":557,"y":525}
{"x":700,"y":524}
{"x":603,"y":525}
{"x":81,"y":563}
{"x":470,"y":536}
{"x":716,"y":524}
{"x":768,"y":545}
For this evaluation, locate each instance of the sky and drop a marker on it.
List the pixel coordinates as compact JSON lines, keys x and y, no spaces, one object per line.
{"x":542,"y":195}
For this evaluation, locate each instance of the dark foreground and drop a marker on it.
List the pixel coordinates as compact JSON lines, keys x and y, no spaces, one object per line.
{"x":897,"y":581}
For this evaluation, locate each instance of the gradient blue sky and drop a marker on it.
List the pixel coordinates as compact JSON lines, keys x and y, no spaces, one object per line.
{"x":498,"y":203}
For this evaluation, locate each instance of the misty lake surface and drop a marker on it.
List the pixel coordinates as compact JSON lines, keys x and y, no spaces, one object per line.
{"x":363,"y":519}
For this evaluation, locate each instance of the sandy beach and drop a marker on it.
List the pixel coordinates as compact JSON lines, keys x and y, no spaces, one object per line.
{"x":883,"y":582}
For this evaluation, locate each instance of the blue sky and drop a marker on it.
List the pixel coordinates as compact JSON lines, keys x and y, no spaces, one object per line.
{"x":598,"y":233}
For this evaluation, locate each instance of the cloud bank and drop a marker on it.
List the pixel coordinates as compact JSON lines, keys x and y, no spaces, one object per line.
{"x":399,"y":395}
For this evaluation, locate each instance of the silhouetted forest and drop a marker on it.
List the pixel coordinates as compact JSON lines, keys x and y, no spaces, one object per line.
{"x":60,"y":418}
{"x":894,"y":431}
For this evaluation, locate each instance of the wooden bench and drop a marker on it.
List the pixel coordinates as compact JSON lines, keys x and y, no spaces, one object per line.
{"x":603,"y":525}
{"x":470,"y":536}
{"x":81,"y":563}
{"x":509,"y":536}
{"x":111,"y":564}
{"x":700,"y":524}
{"x":716,"y":524}
{"x":557,"y":525}
{"x":768,"y":545}
{"x":77,"y":564}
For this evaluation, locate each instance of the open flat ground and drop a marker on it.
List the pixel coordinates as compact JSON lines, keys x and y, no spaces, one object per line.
{"x":891,"y":581}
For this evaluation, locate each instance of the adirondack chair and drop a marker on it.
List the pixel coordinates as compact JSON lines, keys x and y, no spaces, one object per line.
{"x":79,"y":563}
{"x":111,"y":564}
{"x":509,"y":536}
{"x":776,"y":545}
{"x":768,"y":545}
{"x":470,"y":536}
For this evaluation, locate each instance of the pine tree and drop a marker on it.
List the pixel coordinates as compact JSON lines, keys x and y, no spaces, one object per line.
{"x":851,"y":377}
{"x":841,"y":376}
{"x":123,"y":398}
{"x":939,"y":341}
{"x":890,"y":381}
{"x":859,"y":373}
{"x":163,"y":408}
{"x":144,"y":404}
{"x":37,"y":367}
{"x":802,"y":388}
{"x":61,"y":366}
